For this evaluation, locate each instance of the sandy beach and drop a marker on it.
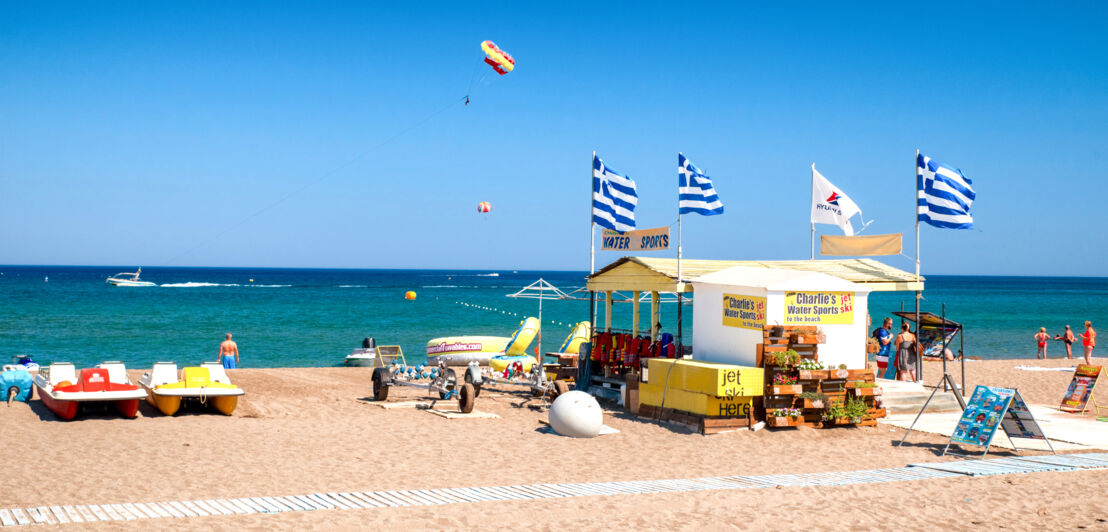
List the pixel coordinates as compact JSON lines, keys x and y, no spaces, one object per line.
{"x":302,"y":431}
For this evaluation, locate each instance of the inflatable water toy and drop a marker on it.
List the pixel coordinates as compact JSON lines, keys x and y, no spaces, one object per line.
{"x":63,"y":389}
{"x":16,"y":384}
{"x":461,"y":350}
{"x":499,"y":363}
{"x":207,"y":384}
{"x":577,"y":336}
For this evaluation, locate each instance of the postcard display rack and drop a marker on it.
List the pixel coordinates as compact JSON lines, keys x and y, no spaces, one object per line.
{"x":800,"y":392}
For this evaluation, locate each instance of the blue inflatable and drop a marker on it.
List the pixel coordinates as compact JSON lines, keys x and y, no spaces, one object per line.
{"x":17,"y":380}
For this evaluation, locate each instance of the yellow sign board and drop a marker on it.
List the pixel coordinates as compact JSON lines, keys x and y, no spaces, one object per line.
{"x":710,"y":378}
{"x":640,"y":240}
{"x":693,"y":402}
{"x":819,"y":308}
{"x":744,"y":312}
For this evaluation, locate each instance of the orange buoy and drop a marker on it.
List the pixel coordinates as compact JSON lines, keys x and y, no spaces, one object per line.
{"x":410,"y":295}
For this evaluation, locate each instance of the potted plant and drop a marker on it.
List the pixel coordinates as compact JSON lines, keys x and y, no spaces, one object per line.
{"x":811,"y":370}
{"x":785,"y":384}
{"x":813,"y":399}
{"x":856,"y":410}
{"x":862,"y":389}
{"x":783,"y":417}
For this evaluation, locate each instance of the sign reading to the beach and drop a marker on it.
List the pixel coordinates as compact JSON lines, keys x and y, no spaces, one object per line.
{"x":982,"y":415}
{"x":1019,"y":423}
{"x":655,"y":239}
{"x":815,"y":308}
{"x":1081,"y":388}
{"x":744,"y":312}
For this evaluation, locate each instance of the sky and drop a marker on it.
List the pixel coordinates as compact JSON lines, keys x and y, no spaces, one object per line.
{"x":335,"y":135}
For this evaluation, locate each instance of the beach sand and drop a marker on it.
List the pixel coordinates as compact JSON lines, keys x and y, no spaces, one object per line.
{"x":301,"y":431}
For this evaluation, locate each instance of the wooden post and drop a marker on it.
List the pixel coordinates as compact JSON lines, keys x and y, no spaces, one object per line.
{"x":655,"y":306}
{"x":608,"y":311}
{"x":635,"y":313}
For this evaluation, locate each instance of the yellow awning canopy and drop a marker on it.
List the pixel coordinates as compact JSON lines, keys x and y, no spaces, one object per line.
{"x":660,"y":274}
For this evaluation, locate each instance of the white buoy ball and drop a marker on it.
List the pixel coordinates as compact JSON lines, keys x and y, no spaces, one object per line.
{"x":576,"y":414}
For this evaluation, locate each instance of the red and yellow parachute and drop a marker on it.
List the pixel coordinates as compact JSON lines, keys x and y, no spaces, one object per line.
{"x":498,"y":59}
{"x":484,"y":206}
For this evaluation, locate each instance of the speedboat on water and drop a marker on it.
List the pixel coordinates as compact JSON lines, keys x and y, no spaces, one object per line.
{"x":128,"y":279}
{"x":63,"y":389}
{"x":207,"y":384}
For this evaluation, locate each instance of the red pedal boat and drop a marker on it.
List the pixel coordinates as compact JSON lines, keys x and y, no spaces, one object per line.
{"x":63,"y":389}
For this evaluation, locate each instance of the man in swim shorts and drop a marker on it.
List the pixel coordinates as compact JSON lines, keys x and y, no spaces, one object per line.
{"x":229,"y":353}
{"x":1041,"y":337}
{"x":884,"y":338}
{"x":1068,"y":339}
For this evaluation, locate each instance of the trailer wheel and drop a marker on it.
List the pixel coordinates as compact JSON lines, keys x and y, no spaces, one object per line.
{"x":476,"y":386}
{"x":560,"y":387}
{"x":467,"y":398}
{"x":449,"y":382}
{"x":381,"y":380}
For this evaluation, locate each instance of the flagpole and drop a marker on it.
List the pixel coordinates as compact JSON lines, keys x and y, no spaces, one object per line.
{"x":919,"y":359}
{"x":813,"y":224}
{"x":680,"y":289}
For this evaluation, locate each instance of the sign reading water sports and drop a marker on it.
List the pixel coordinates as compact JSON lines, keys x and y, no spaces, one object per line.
{"x":640,"y":240}
{"x":744,"y":312}
{"x":811,"y":308}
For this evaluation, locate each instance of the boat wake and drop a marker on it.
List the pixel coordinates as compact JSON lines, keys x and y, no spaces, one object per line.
{"x":193,"y":285}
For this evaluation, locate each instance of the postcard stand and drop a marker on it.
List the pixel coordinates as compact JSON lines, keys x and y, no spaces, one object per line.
{"x":957,"y":395}
{"x":1079,"y":403}
{"x":1016,"y":420}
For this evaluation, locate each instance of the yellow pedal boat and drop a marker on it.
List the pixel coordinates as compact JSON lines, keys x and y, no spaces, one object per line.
{"x":207,"y":384}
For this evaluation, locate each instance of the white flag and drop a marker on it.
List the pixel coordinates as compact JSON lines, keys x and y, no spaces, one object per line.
{"x":830,"y":205}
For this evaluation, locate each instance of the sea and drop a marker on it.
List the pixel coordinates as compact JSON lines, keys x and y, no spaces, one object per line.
{"x":314,"y":317}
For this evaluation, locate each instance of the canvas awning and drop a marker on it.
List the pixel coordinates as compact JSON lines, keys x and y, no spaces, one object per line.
{"x":660,"y":274}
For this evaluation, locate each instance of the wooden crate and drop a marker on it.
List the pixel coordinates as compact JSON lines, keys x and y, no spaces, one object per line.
{"x":706,"y":425}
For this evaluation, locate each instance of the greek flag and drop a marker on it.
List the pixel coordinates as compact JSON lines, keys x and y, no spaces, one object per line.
{"x":613,"y":198}
{"x":695,"y":190}
{"x":944,"y":195}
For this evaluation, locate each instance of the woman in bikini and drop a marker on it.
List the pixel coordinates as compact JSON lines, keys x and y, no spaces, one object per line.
{"x":1042,"y":337}
{"x":1067,"y":338}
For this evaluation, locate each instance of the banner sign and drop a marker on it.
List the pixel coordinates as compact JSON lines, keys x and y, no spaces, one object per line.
{"x":744,"y":312}
{"x":816,"y":308}
{"x":1081,"y":388}
{"x":655,"y":239}
{"x":982,"y":415}
{"x":1019,"y":423}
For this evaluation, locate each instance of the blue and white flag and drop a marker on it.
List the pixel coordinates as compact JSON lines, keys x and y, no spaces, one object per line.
{"x":695,"y":191}
{"x":613,"y":198}
{"x":944,"y":195}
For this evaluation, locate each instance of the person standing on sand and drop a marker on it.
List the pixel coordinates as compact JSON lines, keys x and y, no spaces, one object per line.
{"x":1067,"y":338}
{"x":227,"y":350}
{"x":906,"y":354}
{"x":1042,"y":337}
{"x":884,"y":338}
{"x":1089,"y":341}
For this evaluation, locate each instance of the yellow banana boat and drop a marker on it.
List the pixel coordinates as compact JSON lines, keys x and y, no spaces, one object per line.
{"x":461,"y":350}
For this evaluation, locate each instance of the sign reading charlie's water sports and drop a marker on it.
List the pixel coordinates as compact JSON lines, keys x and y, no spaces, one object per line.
{"x":744,"y":312}
{"x":814,"y":308}
{"x":639,"y":240}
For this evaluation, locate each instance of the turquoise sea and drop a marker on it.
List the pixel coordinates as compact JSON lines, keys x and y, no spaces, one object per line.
{"x":314,"y":317}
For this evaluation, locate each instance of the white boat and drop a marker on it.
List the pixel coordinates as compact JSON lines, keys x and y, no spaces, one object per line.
{"x":128,"y":279}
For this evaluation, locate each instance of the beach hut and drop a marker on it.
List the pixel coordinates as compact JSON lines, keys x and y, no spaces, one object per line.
{"x":733,"y":305}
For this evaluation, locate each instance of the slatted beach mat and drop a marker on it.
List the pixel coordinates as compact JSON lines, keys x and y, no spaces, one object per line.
{"x":368,"y":500}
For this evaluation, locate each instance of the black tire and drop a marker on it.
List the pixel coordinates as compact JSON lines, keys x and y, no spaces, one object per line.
{"x":476,"y":387}
{"x":449,"y":381}
{"x":467,"y":398}
{"x":560,"y":387}
{"x":381,"y":380}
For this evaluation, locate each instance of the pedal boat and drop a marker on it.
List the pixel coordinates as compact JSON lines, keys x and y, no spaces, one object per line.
{"x":207,"y":384}
{"x":64,"y":389}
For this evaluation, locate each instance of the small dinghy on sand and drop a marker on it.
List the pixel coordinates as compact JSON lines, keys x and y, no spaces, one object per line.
{"x":63,"y":389}
{"x":207,"y":384}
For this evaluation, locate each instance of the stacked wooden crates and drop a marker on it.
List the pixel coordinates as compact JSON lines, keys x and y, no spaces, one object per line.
{"x":835,"y":384}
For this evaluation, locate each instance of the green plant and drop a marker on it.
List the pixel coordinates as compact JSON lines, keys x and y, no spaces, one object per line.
{"x":813,"y":396}
{"x":793,"y":413}
{"x":865,"y":385}
{"x":785,"y":358}
{"x":855,"y":409}
{"x":842,"y":366}
{"x":835,"y":411}
{"x":783,"y":379}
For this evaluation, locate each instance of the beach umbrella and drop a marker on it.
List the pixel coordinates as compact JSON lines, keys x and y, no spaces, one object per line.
{"x":540,"y":290}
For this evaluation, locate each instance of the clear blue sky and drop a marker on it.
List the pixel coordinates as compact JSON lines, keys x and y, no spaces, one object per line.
{"x":143,"y":134}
